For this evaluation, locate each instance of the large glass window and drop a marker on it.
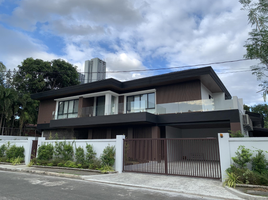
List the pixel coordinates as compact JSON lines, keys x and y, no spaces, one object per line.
{"x":68,"y":109}
{"x":142,"y":102}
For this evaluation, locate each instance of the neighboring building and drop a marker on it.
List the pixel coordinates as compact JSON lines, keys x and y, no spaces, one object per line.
{"x":81,"y":78}
{"x":95,"y":70}
{"x":186,"y":104}
{"x":258,"y":125}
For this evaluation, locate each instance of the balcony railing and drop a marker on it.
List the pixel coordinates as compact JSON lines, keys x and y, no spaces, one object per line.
{"x":166,"y":108}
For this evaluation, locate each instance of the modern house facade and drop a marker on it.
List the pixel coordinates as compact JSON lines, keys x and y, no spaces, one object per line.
{"x":186,"y":104}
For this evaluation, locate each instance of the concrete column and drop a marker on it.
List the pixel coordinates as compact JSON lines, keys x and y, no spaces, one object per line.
{"x":119,"y":153}
{"x":107,"y":110}
{"x":80,"y":106}
{"x":90,"y":134}
{"x":28,"y":150}
{"x":224,"y":150}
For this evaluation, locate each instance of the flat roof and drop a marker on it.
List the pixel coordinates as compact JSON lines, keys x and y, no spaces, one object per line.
{"x":206,"y":75}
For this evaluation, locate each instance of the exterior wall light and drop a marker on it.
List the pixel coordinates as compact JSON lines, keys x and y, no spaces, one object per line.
{"x":221,"y":135}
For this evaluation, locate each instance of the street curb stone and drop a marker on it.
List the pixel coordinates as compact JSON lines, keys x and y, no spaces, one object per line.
{"x":44,"y":172}
{"x":153,"y":188}
{"x":244,"y":195}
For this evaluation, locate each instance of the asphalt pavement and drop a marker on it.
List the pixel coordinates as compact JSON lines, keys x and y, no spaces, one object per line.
{"x":195,"y":187}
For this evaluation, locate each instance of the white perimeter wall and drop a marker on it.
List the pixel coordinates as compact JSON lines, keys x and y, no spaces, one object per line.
{"x":98,"y":147}
{"x":4,"y":137}
{"x":27,"y":144}
{"x":228,"y":146}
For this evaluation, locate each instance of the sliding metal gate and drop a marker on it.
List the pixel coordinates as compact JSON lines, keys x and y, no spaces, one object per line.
{"x":198,"y":157}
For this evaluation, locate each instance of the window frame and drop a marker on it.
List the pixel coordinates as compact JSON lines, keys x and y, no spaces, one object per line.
{"x":63,"y":108}
{"x":128,"y":107}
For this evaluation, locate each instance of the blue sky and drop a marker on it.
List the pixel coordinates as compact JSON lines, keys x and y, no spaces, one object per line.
{"x":132,"y":35}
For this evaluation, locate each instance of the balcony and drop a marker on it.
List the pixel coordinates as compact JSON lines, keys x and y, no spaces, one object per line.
{"x":159,"y":109}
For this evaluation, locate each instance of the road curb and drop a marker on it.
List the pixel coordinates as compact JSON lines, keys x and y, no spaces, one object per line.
{"x":244,"y":195}
{"x":154,"y":188}
{"x":43,"y":172}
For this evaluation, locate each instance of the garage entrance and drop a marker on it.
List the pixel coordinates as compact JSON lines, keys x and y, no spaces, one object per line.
{"x":197,"y":157}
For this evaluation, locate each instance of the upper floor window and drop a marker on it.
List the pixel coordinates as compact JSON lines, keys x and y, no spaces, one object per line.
{"x":141,"y":102}
{"x":68,"y":109}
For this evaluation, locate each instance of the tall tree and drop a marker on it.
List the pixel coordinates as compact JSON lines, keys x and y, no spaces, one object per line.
{"x":257,"y":43}
{"x":2,"y":73}
{"x":35,"y":76}
{"x":8,"y":97}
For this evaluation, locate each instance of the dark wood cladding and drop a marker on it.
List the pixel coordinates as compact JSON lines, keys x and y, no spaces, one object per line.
{"x":88,"y":102}
{"x":142,"y":132}
{"x":121,"y":105}
{"x":99,"y":133}
{"x":179,"y":92}
{"x":119,"y":131}
{"x":46,"y":108}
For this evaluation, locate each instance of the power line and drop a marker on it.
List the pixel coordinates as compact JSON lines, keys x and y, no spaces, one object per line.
{"x":153,"y":69}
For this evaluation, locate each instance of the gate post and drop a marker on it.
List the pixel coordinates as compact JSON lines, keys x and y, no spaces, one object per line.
{"x":224,"y":149}
{"x":119,"y":149}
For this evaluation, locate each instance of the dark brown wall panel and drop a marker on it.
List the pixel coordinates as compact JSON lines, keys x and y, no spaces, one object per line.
{"x":119,"y":131}
{"x":46,"y":108}
{"x":142,"y":132}
{"x":88,"y":102}
{"x":99,"y":133}
{"x":179,"y":92}
{"x":121,"y":105}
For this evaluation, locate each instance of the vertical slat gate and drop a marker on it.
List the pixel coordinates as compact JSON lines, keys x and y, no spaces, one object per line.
{"x":198,"y":157}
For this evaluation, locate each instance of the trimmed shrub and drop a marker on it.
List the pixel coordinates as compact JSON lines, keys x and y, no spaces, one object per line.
{"x":91,"y":154}
{"x":14,"y":152}
{"x":79,"y":155}
{"x":45,"y":152}
{"x":107,"y":156}
{"x":64,"y":151}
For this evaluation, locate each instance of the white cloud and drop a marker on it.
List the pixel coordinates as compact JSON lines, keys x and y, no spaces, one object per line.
{"x":18,"y":46}
{"x":127,"y":33}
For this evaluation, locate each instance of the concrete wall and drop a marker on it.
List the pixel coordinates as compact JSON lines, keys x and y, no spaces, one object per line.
{"x":219,"y":101}
{"x":205,"y":92}
{"x":228,"y":146}
{"x":26,"y":143}
{"x":3,"y":137}
{"x":98,"y":147}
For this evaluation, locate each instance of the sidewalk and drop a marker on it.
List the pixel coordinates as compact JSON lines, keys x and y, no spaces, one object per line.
{"x":185,"y":185}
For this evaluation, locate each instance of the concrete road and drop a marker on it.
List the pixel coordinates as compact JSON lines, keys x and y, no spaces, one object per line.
{"x":15,"y":186}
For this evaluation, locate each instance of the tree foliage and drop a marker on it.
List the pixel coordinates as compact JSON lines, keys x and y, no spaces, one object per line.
{"x":36,"y":75}
{"x":32,"y":76}
{"x":257,"y":43}
{"x":2,"y":69}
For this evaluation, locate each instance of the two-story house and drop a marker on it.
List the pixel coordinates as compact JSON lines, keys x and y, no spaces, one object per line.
{"x":186,"y":104}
